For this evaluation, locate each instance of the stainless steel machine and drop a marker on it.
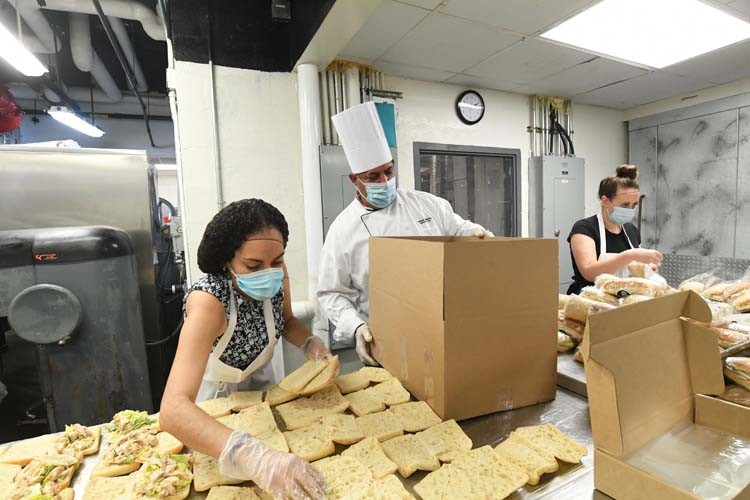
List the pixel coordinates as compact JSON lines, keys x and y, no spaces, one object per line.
{"x":64,"y":187}
{"x":73,"y":294}
{"x":556,"y":202}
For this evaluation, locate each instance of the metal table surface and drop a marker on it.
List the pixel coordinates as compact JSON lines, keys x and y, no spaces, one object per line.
{"x":569,"y":412}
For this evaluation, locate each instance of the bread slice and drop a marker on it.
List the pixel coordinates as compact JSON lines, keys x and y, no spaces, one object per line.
{"x":388,"y":488}
{"x":375,"y":374}
{"x":232,"y":493}
{"x":276,"y":396}
{"x":445,"y":440}
{"x":343,"y":429}
{"x":216,"y":407}
{"x":534,"y":464}
{"x":299,"y":378}
{"x":306,"y":411}
{"x":311,"y":443}
{"x":382,"y":426}
{"x":79,"y":439}
{"x":322,"y":379}
{"x":390,"y":392}
{"x":495,"y":475}
{"x":244,"y":399}
{"x":256,"y":420}
{"x":352,"y":382}
{"x":343,"y":475}
{"x":111,"y":488}
{"x":415,"y":416}
{"x":7,"y":473}
{"x":449,"y":483}
{"x":364,"y":403}
{"x":369,"y":453}
{"x":276,"y":441}
{"x":550,"y":438}
{"x":22,"y":452}
{"x":168,"y":444}
{"x":206,"y":473}
{"x":410,"y":455}
{"x":114,"y":470}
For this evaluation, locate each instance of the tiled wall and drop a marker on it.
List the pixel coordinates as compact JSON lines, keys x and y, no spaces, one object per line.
{"x":695,"y":173}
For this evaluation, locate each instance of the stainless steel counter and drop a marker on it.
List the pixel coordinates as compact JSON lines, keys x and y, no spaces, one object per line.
{"x":569,"y":412}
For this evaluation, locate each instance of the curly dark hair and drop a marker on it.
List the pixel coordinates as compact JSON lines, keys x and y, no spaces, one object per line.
{"x":229,"y":229}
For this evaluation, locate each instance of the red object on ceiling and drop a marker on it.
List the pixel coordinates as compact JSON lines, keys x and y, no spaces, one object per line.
{"x":10,"y":112}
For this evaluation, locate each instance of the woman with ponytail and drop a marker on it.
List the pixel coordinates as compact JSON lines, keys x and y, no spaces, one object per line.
{"x":607,"y":242}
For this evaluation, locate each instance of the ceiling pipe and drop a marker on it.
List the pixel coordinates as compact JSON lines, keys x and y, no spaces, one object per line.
{"x":86,"y":59}
{"x":118,"y":27}
{"x":34,"y":18}
{"x":151,"y":22}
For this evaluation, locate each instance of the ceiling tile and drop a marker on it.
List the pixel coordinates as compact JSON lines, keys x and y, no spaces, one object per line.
{"x":528,"y":61}
{"x":585,"y":77}
{"x":448,"y":43}
{"x":720,"y":66}
{"x":425,"y":4}
{"x":522,"y":16}
{"x":410,"y":71}
{"x":387,"y":25}
{"x":483,"y":82}
{"x":642,"y":90}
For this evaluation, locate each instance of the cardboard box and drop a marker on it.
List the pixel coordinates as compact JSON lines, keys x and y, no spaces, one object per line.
{"x":648,"y":371}
{"x":467,"y":325}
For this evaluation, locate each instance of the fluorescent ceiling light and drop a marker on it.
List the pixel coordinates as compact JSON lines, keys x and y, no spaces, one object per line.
{"x":72,"y":120}
{"x":655,"y":33}
{"x":19,"y":56}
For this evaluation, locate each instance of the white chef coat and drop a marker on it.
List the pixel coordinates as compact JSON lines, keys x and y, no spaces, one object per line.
{"x":343,"y":276}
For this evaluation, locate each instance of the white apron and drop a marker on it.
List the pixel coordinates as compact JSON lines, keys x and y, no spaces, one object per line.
{"x":621,"y":273}
{"x":220,"y":379}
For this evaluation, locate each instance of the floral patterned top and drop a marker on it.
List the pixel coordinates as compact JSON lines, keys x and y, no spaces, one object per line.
{"x":250,"y":333}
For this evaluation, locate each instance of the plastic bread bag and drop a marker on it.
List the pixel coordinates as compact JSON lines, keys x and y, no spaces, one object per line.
{"x":700,"y":282}
{"x":727,"y":338}
{"x":621,"y":287}
{"x":733,"y":325}
{"x":578,"y":356}
{"x":720,"y":311}
{"x":595,"y":294}
{"x":579,"y":308}
{"x":737,"y":395}
{"x":738,"y":371}
{"x":703,"y":461}
{"x":716,"y":291}
{"x":740,"y":319}
{"x":564,"y":342}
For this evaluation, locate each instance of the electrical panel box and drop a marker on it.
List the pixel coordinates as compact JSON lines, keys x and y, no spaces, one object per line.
{"x":556,"y":202}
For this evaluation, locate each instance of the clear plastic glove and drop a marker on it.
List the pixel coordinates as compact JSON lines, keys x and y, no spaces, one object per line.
{"x":283,"y":475}
{"x":482,"y":233}
{"x":363,"y":336}
{"x":315,"y":348}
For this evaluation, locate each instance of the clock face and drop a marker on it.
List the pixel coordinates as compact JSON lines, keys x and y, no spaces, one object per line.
{"x":470,"y":107}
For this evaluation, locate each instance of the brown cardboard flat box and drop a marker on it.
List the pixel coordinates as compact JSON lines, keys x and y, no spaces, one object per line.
{"x":647,"y":371}
{"x":466,"y":324}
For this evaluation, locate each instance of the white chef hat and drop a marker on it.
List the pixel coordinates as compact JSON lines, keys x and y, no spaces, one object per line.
{"x":361,"y":134}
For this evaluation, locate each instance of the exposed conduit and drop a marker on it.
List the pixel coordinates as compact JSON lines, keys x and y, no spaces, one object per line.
{"x":86,"y":59}
{"x":129,"y":51}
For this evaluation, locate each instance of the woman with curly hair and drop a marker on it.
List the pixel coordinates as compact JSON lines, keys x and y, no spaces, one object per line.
{"x":234,"y":316}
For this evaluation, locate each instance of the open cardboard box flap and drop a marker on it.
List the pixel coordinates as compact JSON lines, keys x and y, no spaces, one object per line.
{"x":644,"y":366}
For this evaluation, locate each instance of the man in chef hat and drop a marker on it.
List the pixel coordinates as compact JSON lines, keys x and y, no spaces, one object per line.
{"x":378,"y":209}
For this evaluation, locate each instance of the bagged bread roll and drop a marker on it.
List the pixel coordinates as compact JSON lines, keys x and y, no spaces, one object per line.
{"x":634,"y":299}
{"x":578,"y":356}
{"x":734,"y":290}
{"x":572,"y":329}
{"x":564,"y":342}
{"x":700,"y":282}
{"x":727,"y":338}
{"x":562,"y":301}
{"x":638,"y":269}
{"x":716,"y":292}
{"x":737,"y":395}
{"x":741,"y":302}
{"x":734,"y":326}
{"x":738,"y":370}
{"x":635,"y":286}
{"x":579,"y":308}
{"x":595,"y":294}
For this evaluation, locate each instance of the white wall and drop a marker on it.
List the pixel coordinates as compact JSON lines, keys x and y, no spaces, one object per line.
{"x":119,"y":134}
{"x":259,"y":138}
{"x":166,"y":186}
{"x":426,"y":114}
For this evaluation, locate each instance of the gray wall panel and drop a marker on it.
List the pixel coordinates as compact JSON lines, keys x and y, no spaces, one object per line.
{"x":642,"y":153}
{"x":742,"y":243}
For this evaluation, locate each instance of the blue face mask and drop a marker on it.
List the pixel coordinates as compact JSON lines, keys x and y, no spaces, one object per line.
{"x":261,"y":285}
{"x":621,"y":215}
{"x":381,"y":194}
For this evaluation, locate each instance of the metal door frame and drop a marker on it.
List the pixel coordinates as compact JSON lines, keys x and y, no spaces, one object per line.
{"x":420,"y":148}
